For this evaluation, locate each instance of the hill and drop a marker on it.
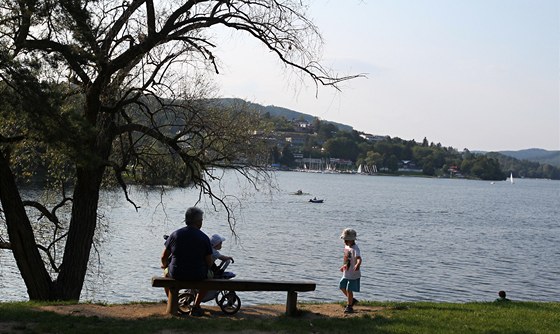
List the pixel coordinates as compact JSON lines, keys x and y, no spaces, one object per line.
{"x":289,"y":114}
{"x":536,"y":155}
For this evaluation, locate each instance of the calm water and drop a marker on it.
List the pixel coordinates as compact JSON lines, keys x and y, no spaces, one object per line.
{"x":421,"y":239}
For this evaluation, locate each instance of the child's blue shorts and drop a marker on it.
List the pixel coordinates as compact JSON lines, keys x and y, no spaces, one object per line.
{"x":350,"y":284}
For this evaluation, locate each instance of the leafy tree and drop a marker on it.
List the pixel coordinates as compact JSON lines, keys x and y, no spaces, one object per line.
{"x":487,"y":169}
{"x":275,"y":154}
{"x":325,"y":131}
{"x":287,"y":158}
{"x":393,"y":164}
{"x":111,"y":87}
{"x":341,"y":147}
{"x":372,"y":159}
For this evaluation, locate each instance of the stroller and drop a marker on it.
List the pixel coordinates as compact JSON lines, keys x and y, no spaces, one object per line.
{"x":228,"y":301}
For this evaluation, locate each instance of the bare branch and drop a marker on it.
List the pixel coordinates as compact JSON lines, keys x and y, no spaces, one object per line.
{"x":118,"y":175}
{"x":74,"y":58}
{"x":51,"y":259}
{"x":4,"y":244}
{"x":119,"y":23}
{"x":51,"y":216}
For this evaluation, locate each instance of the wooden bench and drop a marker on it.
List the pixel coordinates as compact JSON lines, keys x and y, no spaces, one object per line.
{"x":232,"y":285}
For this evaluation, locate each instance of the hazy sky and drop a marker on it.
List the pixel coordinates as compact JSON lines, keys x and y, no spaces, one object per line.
{"x":476,"y":74}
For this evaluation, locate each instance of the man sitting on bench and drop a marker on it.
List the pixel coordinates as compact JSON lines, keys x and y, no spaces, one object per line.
{"x":190,"y":254}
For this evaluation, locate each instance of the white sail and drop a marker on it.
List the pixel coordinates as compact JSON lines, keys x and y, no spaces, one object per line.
{"x":511,"y":178}
{"x":360,"y":169}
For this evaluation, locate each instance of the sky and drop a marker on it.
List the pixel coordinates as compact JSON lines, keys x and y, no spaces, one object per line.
{"x":477,"y":74}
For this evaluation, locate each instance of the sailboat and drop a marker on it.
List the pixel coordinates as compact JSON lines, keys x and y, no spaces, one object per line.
{"x":511,"y":178}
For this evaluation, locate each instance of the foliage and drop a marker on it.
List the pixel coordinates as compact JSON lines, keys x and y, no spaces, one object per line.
{"x":341,"y":147}
{"x":526,"y":168}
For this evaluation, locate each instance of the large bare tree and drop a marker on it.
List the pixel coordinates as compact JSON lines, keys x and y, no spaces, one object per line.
{"x":92,"y":88}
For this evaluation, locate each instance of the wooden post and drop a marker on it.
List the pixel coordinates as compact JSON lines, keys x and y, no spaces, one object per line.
{"x":291,"y":303}
{"x":173,"y":301}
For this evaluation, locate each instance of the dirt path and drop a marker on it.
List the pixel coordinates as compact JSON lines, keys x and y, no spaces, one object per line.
{"x":137,"y":311}
{"x":157,"y":310}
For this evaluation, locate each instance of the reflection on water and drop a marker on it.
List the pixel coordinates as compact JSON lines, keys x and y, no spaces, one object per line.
{"x":421,"y":239}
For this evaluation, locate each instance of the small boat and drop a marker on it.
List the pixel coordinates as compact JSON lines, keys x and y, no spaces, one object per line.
{"x":299,"y":192}
{"x":315,"y":200}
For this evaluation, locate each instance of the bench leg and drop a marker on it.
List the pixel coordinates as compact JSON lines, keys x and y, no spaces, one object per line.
{"x":291,"y":303}
{"x":173,"y":301}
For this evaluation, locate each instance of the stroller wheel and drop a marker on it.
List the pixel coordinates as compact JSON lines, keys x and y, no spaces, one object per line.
{"x":186,"y":299}
{"x":229,"y":302}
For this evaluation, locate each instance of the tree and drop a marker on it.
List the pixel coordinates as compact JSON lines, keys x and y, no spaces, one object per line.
{"x":341,"y":147}
{"x":275,"y":154}
{"x":393,"y":164}
{"x":325,"y":131}
{"x":110,"y":87}
{"x":287,"y":158}
{"x":373,"y":159}
{"x":487,"y":168}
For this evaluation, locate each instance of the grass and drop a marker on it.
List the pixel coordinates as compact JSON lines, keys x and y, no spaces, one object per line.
{"x":418,"y":317}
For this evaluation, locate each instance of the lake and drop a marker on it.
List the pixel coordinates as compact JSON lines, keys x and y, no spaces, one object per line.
{"x":422,"y":239}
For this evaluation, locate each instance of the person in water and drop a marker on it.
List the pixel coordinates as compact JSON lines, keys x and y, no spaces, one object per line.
{"x":502,"y":296}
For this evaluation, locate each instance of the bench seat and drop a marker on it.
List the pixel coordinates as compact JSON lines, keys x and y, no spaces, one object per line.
{"x":291,"y":287}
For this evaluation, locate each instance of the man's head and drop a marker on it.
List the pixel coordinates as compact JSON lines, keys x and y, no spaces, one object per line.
{"x":502,"y":294}
{"x":193,"y":217}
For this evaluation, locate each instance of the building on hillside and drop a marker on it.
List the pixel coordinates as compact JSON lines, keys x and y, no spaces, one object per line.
{"x":372,"y":138}
{"x":408,"y":166}
{"x":296,"y":140}
{"x":302,"y":126}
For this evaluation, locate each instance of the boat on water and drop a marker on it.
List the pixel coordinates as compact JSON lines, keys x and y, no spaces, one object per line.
{"x":315,"y":200}
{"x":511,"y":178}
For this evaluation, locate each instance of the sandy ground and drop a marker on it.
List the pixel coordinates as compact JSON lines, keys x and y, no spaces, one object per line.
{"x":137,"y":311}
{"x":157,"y":310}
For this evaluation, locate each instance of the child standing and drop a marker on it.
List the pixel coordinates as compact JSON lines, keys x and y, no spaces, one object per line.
{"x":350,"y":281}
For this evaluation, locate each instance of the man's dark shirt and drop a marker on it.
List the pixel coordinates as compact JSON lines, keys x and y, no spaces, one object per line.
{"x":188,"y":247}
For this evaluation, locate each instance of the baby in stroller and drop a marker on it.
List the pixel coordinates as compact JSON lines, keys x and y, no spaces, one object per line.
{"x":219,"y":270}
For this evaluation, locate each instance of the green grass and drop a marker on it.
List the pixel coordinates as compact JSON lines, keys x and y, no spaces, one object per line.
{"x":513,"y":317}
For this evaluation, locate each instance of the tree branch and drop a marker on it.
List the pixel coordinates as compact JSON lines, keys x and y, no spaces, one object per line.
{"x":119,"y":23}
{"x":4,"y":244}
{"x":44,"y":212}
{"x":68,"y":52}
{"x":52,"y":261}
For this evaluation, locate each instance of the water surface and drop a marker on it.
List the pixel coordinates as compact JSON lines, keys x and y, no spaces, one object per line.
{"x":421,"y":239}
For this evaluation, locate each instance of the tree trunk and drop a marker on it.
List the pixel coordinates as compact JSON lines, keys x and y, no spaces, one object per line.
{"x":22,"y":240}
{"x":73,"y":270}
{"x":70,"y":281}
{"x":68,"y":285}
